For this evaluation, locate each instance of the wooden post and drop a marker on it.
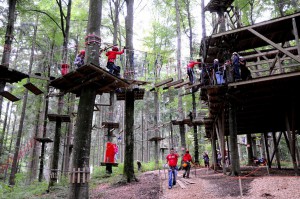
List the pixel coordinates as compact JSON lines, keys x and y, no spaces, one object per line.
{"x":295,"y":31}
{"x":267,"y":149}
{"x":276,"y":148}
{"x":235,"y":163}
{"x":291,"y":138}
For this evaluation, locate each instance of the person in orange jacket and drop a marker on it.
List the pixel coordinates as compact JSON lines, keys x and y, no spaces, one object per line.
{"x":190,"y":70}
{"x":111,"y":57}
{"x":187,"y":160}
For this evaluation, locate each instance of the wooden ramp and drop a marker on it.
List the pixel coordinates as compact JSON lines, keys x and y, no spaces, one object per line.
{"x":91,"y":76}
{"x":35,"y":90}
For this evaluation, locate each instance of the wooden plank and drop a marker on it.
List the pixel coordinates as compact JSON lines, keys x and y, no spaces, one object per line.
{"x":73,"y":175}
{"x":182,"y":84}
{"x":9,"y":96}
{"x":188,"y":181}
{"x":35,"y":90}
{"x":83,"y":175}
{"x":173,"y":84}
{"x":181,"y":184}
{"x":107,"y":163}
{"x":78,"y":176}
{"x":163,"y":82}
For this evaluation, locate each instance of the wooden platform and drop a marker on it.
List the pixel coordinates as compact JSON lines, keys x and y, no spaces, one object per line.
{"x":11,"y":75}
{"x":138,"y":94}
{"x":156,"y":139}
{"x":89,"y":75}
{"x":9,"y":96}
{"x":218,"y":5}
{"x":107,"y":163}
{"x":247,"y":39}
{"x":261,"y":103}
{"x":110,"y":125}
{"x":35,"y":90}
{"x":46,"y":140}
{"x":62,"y":118}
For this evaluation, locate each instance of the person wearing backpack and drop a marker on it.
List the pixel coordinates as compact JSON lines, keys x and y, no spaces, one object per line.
{"x":187,"y":160}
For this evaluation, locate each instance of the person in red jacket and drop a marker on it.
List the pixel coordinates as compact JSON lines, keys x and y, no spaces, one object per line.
{"x":111,"y":57}
{"x":172,"y":160}
{"x":187,"y":160}
{"x":190,"y":70}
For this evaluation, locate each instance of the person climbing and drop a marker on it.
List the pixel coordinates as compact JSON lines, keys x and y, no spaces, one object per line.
{"x":172,"y":159}
{"x":236,"y":66}
{"x":190,"y":70}
{"x":79,"y":60}
{"x":206,"y":159}
{"x":245,"y":72}
{"x":187,"y":159}
{"x":111,"y":57}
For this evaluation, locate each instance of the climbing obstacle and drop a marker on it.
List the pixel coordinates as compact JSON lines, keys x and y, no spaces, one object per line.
{"x":31,"y":87}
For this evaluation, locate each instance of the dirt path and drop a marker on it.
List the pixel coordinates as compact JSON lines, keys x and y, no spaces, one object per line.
{"x":208,"y":184}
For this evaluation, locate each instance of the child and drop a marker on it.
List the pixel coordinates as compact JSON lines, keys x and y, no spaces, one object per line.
{"x":79,"y":60}
{"x":111,"y":57}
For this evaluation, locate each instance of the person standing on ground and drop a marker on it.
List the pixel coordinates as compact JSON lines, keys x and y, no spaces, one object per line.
{"x":172,"y":160}
{"x":206,"y":159}
{"x":187,"y":159}
{"x":139,"y":165}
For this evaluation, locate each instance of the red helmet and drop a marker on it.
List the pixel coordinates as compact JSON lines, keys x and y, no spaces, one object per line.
{"x":82,"y":52}
{"x":115,"y":48}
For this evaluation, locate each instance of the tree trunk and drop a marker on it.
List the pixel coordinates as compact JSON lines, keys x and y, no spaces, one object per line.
{"x":45,"y":113}
{"x":180,"y":109}
{"x":249,"y":149}
{"x":129,"y":137}
{"x":235,"y":163}
{"x":33,"y":164}
{"x":20,"y":131}
{"x":8,"y":41}
{"x":4,"y":128}
{"x":82,"y":135}
{"x":129,"y":98}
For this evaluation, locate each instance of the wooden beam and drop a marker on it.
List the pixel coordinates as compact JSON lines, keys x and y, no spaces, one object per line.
{"x":182,"y":84}
{"x":253,"y":26}
{"x":163,"y":82}
{"x":274,"y":45}
{"x":264,"y":54}
{"x":173,"y":83}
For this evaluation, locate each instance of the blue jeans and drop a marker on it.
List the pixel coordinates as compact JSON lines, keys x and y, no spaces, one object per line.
{"x":172,"y":176}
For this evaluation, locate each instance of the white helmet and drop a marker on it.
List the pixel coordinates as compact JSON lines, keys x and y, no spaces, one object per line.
{"x":216,"y":60}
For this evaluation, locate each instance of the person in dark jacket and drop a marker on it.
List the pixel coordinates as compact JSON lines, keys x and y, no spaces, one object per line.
{"x":236,"y":66}
{"x":245,"y":72}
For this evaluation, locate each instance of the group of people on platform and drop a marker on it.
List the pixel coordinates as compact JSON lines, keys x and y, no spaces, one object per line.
{"x":217,"y":73}
{"x":111,"y":57}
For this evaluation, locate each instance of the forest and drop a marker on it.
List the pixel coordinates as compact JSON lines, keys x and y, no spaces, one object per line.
{"x":55,"y":135}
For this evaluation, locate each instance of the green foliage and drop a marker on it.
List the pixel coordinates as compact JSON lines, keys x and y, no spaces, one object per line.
{"x":22,"y":191}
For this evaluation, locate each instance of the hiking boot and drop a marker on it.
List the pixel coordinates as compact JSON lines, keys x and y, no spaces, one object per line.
{"x":170,"y":187}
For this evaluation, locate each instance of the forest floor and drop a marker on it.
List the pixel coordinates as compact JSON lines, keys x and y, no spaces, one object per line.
{"x":206,"y":183}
